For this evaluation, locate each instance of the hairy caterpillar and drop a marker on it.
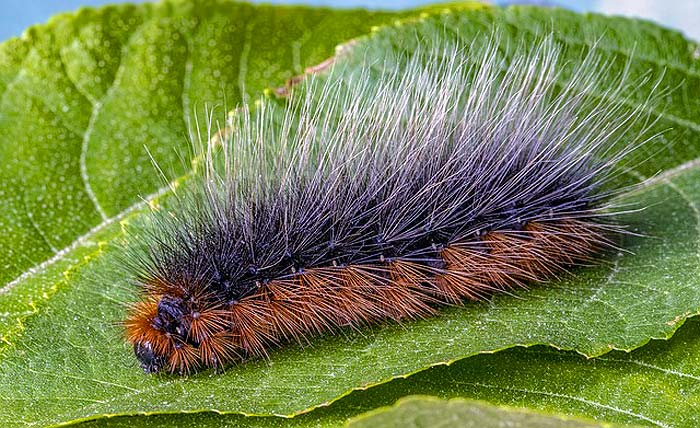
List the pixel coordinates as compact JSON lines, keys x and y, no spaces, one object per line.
{"x":380,"y":194}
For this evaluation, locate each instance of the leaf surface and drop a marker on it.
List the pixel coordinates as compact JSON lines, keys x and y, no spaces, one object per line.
{"x":77,"y":110}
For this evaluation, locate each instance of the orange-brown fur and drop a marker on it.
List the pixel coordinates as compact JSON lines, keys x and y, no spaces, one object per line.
{"x":324,"y":299}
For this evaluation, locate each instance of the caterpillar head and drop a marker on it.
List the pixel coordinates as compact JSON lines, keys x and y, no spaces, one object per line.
{"x":150,"y":361}
{"x":178,"y":333}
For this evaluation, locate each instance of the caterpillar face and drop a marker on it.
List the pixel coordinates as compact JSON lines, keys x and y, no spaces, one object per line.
{"x":179,"y":333}
{"x":383,"y":201}
{"x":150,"y":361}
{"x":157,"y":328}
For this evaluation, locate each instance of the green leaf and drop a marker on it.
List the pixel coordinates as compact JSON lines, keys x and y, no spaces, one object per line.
{"x":657,"y":386}
{"x":430,"y":412}
{"x":65,"y":359}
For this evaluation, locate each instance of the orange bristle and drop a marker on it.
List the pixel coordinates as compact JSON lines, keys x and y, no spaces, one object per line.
{"x":317,"y":300}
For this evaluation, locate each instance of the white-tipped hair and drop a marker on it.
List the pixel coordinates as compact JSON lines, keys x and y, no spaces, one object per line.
{"x":380,"y":189}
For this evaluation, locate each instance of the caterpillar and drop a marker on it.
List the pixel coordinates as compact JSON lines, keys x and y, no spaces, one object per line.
{"x":380,"y":193}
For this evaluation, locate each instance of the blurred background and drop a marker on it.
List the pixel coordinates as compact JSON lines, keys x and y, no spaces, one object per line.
{"x":684,"y":15}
